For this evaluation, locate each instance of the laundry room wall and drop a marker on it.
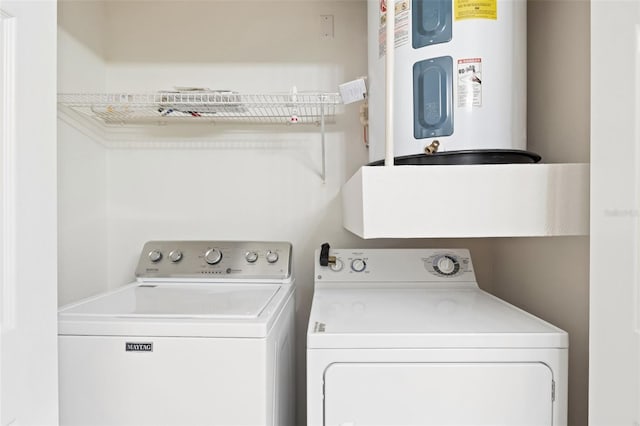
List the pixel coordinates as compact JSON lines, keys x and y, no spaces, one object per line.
{"x":549,"y":277}
{"x":253,"y":182}
{"x":82,"y":161}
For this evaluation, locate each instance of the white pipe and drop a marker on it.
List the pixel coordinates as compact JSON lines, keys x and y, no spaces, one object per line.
{"x":389,"y":65}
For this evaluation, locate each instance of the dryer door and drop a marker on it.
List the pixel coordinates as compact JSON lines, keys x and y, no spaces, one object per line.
{"x":404,"y":394}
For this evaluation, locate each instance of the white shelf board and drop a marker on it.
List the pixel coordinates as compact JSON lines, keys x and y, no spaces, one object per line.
{"x":511,"y":200}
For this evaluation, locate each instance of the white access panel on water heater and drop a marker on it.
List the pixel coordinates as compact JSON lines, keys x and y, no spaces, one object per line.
{"x":459,"y":75}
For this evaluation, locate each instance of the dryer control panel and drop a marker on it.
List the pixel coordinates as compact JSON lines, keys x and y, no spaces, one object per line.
{"x":396,"y":265}
{"x":237,"y":260}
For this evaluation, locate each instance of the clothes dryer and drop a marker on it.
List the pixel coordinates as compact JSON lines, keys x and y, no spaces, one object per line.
{"x":203,"y":337}
{"x":406,"y":337}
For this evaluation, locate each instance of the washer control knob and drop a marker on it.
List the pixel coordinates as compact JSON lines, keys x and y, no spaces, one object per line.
{"x":358,"y":265}
{"x":155,"y":255}
{"x":213,"y":256}
{"x":272,"y":256}
{"x":251,"y":256}
{"x":336,"y":266}
{"x":175,"y":256}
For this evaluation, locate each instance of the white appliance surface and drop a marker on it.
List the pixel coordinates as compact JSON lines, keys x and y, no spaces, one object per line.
{"x":424,"y":318}
{"x":178,"y":309}
{"x":485,"y":394}
{"x":181,"y":300}
{"x":205,"y":336}
{"x":406,"y":337}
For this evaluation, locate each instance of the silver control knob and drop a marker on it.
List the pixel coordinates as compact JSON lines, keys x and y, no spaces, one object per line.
{"x":337,"y":266}
{"x":358,"y":265}
{"x":213,"y":256}
{"x":155,"y":255}
{"x":175,"y":256}
{"x":272,"y":256}
{"x":446,"y":265}
{"x":251,"y":256}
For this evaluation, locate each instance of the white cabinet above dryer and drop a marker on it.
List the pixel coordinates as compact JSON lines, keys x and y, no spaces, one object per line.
{"x":507,"y":200}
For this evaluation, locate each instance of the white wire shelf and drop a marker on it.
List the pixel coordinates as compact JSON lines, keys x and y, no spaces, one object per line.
{"x":101,"y":114}
{"x":205,"y":106}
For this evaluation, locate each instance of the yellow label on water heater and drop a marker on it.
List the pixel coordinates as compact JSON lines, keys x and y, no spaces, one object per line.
{"x":475,"y":9}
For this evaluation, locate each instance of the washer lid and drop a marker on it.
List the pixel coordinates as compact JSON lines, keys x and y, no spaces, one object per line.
{"x":424,"y":318}
{"x":197,"y":309}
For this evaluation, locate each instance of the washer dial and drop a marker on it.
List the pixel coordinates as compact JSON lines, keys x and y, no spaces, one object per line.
{"x":272,"y":256}
{"x":251,"y":256}
{"x":213,"y":256}
{"x":155,"y":255}
{"x":175,"y":256}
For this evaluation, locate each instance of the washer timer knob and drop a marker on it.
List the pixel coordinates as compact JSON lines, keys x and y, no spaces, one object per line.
{"x":358,"y":265}
{"x":175,"y":256}
{"x":155,"y":255}
{"x":251,"y":256}
{"x":213,"y":256}
{"x":272,"y":256}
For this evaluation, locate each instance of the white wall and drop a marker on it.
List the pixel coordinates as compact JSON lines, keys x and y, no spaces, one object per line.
{"x":225,"y":182}
{"x":558,"y":79}
{"x":249,"y":46}
{"x":81,"y":46}
{"x":615,"y":211}
{"x":82,"y":172}
{"x":28,"y":238}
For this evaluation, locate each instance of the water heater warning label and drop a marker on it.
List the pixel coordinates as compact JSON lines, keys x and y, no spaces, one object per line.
{"x":469,"y":82}
{"x":402,"y":15}
{"x":475,"y":9}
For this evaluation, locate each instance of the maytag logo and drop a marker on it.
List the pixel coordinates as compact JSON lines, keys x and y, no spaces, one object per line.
{"x":139,"y":347}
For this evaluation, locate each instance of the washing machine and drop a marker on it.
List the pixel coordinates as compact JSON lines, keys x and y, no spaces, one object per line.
{"x":406,"y":337}
{"x":204,"y":336}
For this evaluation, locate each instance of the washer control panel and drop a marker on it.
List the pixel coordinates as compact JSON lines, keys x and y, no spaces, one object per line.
{"x":215,"y":259}
{"x":396,"y":265}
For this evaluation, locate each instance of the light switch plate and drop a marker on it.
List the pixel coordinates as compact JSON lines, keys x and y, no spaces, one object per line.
{"x":326,"y":27}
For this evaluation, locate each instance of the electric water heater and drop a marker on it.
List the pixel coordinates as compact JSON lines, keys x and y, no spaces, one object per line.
{"x":460,"y":77}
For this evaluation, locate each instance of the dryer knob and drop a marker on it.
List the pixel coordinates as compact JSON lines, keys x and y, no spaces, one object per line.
{"x":155,"y":255}
{"x":213,"y":256}
{"x":446,"y":265}
{"x":272,"y":256}
{"x":336,"y":266}
{"x":358,"y":265}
